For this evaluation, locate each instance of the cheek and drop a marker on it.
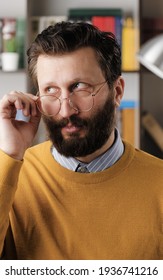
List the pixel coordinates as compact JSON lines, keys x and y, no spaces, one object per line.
{"x":101,"y":99}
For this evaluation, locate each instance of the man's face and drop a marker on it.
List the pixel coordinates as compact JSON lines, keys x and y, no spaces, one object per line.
{"x":96,"y":130}
{"x":74,"y":133}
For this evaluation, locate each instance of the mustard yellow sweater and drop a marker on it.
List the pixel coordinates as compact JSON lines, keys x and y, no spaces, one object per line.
{"x":59,"y":214}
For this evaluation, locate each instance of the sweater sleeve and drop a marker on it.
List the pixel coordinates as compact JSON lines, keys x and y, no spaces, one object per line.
{"x":9,"y":173}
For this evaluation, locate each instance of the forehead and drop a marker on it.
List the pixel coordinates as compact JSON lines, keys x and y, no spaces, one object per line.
{"x":76,"y":63}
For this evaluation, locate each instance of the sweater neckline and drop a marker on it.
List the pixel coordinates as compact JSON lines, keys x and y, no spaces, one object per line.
{"x":89,"y":178}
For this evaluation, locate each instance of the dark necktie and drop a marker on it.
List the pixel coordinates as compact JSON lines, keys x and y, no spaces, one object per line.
{"x":82,"y":169}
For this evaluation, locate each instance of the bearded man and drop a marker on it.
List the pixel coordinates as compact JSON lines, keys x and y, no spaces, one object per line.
{"x":85,"y":193}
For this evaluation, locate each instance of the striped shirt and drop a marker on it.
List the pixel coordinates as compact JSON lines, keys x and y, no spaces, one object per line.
{"x":98,"y":164}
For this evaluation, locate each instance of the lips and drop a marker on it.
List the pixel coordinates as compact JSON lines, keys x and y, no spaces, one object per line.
{"x":70,"y":129}
{"x":72,"y":126}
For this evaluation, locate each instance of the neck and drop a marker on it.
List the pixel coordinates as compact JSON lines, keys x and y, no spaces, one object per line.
{"x":100,"y":151}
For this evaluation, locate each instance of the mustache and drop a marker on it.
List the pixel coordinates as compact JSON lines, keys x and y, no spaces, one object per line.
{"x":74,"y":120}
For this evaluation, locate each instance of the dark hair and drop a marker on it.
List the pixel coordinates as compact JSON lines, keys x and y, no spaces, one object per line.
{"x":65,"y":37}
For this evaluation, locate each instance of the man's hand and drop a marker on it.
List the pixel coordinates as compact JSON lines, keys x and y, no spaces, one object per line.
{"x":16,"y":136}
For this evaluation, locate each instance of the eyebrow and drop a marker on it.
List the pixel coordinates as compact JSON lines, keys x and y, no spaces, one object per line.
{"x":75,"y":80}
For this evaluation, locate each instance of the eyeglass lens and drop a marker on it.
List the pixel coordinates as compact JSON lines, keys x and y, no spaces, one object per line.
{"x":50,"y":105}
{"x":79,"y":100}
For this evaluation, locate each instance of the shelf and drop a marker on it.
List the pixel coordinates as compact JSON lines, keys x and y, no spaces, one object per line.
{"x":19,"y":71}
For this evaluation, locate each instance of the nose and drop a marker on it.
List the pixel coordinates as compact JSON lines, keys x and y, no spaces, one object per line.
{"x":66,"y":109}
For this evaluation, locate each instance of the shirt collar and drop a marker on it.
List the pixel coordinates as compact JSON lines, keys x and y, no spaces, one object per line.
{"x":98,"y":164}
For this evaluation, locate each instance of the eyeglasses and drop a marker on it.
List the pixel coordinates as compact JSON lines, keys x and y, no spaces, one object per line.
{"x":81,"y":99}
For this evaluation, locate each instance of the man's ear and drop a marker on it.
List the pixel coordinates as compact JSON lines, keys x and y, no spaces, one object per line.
{"x":118,"y":90}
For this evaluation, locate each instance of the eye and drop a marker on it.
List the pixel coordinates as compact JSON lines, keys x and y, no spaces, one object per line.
{"x":52,"y":90}
{"x":81,"y":86}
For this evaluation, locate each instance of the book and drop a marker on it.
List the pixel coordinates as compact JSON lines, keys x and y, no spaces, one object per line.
{"x":90,"y":12}
{"x":109,"y":24}
{"x":130,"y":46}
{"x":126,"y":120}
{"x":109,"y":20}
{"x":118,"y":29}
{"x":104,"y":23}
{"x":128,"y":125}
{"x":99,"y":22}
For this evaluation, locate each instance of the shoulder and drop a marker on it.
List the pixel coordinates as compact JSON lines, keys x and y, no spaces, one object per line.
{"x":143,"y":170}
{"x":40,"y":150}
{"x":143,"y":159}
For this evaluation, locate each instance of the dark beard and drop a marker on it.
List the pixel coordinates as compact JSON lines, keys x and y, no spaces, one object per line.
{"x":98,"y":129}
